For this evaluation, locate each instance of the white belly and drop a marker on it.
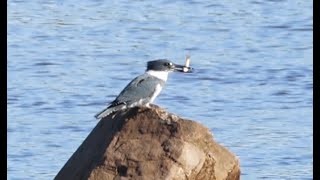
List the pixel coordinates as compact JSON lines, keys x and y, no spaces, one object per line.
{"x":156,"y":93}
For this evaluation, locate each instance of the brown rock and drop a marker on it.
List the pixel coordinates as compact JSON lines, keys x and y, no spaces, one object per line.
{"x":150,"y":143}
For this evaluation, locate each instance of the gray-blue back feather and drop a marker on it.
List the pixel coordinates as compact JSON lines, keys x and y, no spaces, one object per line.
{"x":142,"y":87}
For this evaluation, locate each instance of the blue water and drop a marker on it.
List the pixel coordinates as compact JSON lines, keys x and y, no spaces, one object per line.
{"x":252,"y":86}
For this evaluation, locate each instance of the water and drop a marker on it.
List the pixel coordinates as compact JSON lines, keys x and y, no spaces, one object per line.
{"x":252,"y":85}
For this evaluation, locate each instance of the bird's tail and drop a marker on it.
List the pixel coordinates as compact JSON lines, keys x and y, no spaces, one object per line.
{"x":109,"y":110}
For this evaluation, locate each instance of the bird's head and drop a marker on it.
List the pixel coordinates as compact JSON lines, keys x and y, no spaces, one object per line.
{"x":165,"y":65}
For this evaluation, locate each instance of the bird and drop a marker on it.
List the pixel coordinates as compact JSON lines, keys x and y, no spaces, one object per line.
{"x":143,"y":89}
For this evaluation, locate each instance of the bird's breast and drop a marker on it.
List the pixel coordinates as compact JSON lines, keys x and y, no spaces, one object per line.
{"x":156,"y":92}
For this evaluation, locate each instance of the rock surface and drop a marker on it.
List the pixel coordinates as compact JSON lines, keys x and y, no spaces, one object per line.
{"x":150,"y":143}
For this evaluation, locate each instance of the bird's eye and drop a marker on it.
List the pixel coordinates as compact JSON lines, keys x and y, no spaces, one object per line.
{"x":168,"y":64}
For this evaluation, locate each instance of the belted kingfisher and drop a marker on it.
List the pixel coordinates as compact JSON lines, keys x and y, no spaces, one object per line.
{"x":143,"y":89}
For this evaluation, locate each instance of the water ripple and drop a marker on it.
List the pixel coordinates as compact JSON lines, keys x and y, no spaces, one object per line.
{"x":253,"y":76}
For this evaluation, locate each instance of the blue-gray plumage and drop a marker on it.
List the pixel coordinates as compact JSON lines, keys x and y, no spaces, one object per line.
{"x":143,"y":89}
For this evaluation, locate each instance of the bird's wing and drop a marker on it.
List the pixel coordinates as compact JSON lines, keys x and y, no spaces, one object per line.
{"x":141,"y":87}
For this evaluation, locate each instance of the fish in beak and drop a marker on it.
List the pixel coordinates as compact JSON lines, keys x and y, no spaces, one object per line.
{"x":181,"y":68}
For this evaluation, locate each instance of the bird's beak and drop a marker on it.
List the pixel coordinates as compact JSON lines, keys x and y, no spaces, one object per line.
{"x":180,"y":68}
